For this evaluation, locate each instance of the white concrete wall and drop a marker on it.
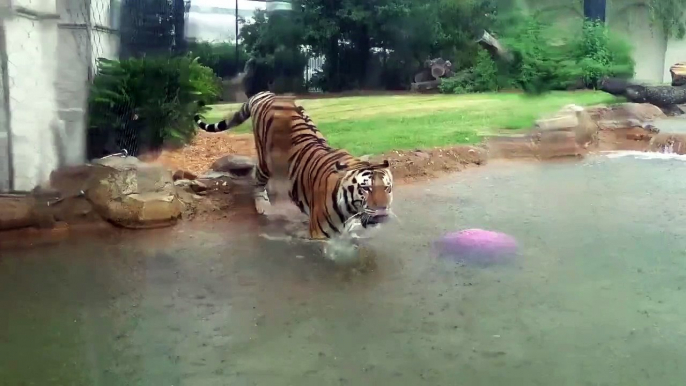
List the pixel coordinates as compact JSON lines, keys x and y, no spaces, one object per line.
{"x":5,"y":173}
{"x":31,"y":50}
{"x":51,"y":51}
{"x":632,"y":20}
{"x":676,"y":53}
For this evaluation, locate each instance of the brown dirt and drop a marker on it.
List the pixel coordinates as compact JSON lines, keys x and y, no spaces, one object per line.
{"x":197,"y":157}
{"x":205,"y":149}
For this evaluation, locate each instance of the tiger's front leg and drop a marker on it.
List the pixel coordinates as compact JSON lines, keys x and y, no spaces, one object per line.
{"x":262,"y":203}
{"x":316,"y":232}
{"x":259,"y":193}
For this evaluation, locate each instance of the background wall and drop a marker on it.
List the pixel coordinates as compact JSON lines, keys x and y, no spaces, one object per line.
{"x":653,"y":52}
{"x":51,"y":48}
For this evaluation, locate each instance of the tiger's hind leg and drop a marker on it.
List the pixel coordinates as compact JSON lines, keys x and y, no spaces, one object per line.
{"x":259,"y":193}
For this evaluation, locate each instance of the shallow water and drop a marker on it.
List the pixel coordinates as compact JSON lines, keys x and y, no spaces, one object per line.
{"x":596,"y":297}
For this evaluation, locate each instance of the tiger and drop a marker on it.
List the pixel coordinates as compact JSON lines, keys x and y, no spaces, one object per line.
{"x":337,"y":191}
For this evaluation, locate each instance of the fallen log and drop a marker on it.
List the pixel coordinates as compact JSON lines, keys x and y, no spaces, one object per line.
{"x":661,"y":96}
{"x":426,"y":86}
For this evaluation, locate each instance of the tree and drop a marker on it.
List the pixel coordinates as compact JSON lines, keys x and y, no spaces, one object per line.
{"x":372,"y":43}
{"x":274,"y":41}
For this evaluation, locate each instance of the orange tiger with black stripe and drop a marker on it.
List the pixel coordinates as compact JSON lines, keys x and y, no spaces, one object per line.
{"x":336,"y":190}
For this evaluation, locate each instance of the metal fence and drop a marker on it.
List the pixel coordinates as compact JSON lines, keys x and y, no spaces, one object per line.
{"x":47,"y":62}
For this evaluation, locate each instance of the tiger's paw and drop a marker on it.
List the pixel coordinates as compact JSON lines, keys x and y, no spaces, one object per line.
{"x":262,"y":203}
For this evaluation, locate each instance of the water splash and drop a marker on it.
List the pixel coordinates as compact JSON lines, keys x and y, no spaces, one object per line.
{"x":667,"y":154}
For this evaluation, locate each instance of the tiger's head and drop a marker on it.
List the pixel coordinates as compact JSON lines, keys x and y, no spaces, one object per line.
{"x":367,"y":191}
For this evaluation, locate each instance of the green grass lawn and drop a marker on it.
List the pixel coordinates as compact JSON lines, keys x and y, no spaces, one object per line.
{"x":376,"y":124}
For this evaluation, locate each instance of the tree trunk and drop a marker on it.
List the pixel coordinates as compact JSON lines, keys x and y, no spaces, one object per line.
{"x":363,"y":45}
{"x":493,"y":46}
{"x":332,"y":68}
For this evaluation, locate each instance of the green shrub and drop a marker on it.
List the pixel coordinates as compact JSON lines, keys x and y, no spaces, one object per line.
{"x":154,"y":97}
{"x":536,"y":63}
{"x":460,"y":83}
{"x":597,"y":53}
{"x":552,"y":58}
{"x":483,"y":77}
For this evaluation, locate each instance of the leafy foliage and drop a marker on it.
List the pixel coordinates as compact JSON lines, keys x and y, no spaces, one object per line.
{"x":157,"y":96}
{"x":275,"y":42}
{"x":597,"y":53}
{"x":548,"y":58}
{"x":367,"y":43}
{"x":220,"y":57}
{"x":483,"y":77}
{"x":383,"y":43}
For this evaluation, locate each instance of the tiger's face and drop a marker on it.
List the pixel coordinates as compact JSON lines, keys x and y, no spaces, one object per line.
{"x":370,"y":193}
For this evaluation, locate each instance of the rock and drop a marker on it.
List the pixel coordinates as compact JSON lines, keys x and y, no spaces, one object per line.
{"x":235,"y":165}
{"x":564,"y":119}
{"x":640,"y":111}
{"x":133,"y":194}
{"x":556,"y":144}
{"x":195,"y":186}
{"x":629,"y":115}
{"x":678,"y":72}
{"x":70,"y":180}
{"x":16,"y":212}
{"x":571,"y":118}
{"x":183,"y":175}
{"x":586,"y":132}
{"x":421,"y":154}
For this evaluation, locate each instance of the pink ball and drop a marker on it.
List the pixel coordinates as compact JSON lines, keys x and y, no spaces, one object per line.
{"x":477,"y":246}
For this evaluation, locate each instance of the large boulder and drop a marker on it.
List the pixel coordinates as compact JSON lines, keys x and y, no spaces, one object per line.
{"x":572,"y":119}
{"x":133,"y":194}
{"x":678,"y":72}
{"x":628,"y":116}
{"x":16,"y":212}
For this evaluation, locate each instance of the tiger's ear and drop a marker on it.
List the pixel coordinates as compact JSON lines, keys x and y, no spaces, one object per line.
{"x":341,"y":166}
{"x":385,"y":163}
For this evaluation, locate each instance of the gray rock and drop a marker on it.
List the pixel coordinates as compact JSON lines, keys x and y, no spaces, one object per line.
{"x":235,"y":165}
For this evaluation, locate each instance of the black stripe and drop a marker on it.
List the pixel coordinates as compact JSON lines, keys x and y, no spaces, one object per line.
{"x":334,"y":199}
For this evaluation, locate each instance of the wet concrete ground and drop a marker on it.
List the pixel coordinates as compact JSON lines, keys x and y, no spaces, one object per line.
{"x":597,"y":297}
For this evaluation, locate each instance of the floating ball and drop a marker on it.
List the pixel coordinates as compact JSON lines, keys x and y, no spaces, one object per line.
{"x":478,"y":246}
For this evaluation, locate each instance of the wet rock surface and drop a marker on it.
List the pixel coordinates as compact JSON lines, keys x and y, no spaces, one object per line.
{"x":133,"y":194}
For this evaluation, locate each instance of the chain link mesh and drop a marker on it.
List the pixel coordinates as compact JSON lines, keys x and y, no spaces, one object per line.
{"x":49,"y":58}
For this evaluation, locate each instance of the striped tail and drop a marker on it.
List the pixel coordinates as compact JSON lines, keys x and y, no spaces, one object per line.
{"x":238,"y":117}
